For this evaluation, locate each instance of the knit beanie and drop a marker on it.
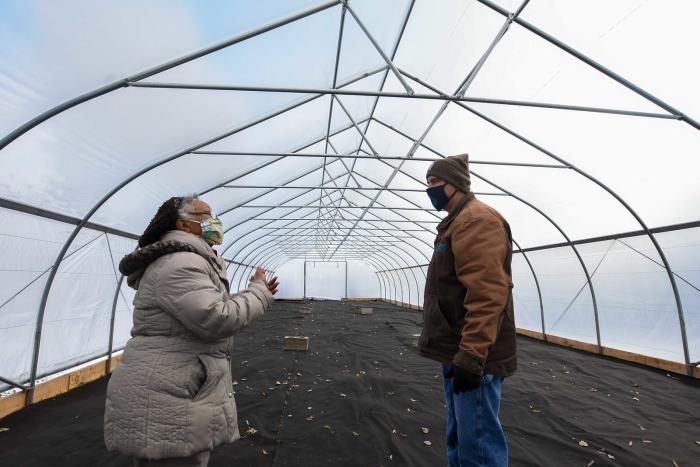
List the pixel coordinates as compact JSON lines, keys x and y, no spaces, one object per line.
{"x":454,"y":170}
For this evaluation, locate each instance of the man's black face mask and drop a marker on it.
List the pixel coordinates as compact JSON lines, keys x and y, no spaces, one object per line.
{"x":438,"y":197}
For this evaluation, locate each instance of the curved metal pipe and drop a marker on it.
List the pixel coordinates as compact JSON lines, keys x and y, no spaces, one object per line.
{"x":589,"y":282}
{"x":301,"y":227}
{"x":649,"y":233}
{"x":13,"y":135}
{"x":364,"y":242}
{"x":539,"y":291}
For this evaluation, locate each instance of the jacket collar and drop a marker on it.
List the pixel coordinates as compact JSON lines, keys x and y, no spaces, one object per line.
{"x":451,"y":216}
{"x":202,"y":248}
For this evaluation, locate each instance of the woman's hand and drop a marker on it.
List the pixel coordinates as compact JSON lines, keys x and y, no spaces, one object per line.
{"x":272,"y":285}
{"x":259,"y":275}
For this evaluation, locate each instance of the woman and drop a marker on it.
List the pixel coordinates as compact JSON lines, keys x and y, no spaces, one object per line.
{"x":170,"y":401}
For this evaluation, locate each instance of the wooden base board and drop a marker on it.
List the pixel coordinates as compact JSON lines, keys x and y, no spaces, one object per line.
{"x":12,"y":404}
{"x":57,"y":386}
{"x":410,"y":306}
{"x":654,"y":362}
{"x":647,"y":360}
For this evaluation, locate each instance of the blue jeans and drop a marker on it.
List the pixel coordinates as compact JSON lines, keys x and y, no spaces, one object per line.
{"x":474,"y":433}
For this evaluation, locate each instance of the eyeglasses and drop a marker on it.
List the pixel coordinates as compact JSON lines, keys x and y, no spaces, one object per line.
{"x":201,"y":213}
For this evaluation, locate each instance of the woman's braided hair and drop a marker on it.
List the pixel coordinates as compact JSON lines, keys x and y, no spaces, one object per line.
{"x":164,"y":221}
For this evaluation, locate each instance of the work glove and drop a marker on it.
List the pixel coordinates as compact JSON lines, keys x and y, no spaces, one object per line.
{"x":462,"y":380}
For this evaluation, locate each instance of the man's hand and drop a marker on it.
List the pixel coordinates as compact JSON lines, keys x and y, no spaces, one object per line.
{"x":462,"y":380}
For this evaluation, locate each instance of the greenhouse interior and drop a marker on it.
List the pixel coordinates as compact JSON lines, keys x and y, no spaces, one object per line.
{"x":308,"y":127}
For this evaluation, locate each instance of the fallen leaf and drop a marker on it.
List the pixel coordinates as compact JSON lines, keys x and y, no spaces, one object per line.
{"x":264,"y":452}
{"x":593,"y":390}
{"x":328,"y":427}
{"x":611,"y":456}
{"x":697,"y":442}
{"x":425,"y":430}
{"x":647,"y":441}
{"x":675,"y":463}
{"x":277,"y":383}
{"x":403,"y":435}
{"x":583,"y":444}
{"x":641,"y":427}
{"x":343,"y":395}
{"x":427,"y":443}
{"x":355,"y":433}
{"x":250,"y":431}
{"x":630,"y":444}
{"x":413,"y":400}
{"x":7,"y":429}
{"x":590,"y":463}
{"x":635,"y":399}
{"x":311,"y":418}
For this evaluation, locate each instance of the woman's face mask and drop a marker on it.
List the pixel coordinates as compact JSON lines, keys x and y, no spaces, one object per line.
{"x":212,"y":230}
{"x":438,"y":197}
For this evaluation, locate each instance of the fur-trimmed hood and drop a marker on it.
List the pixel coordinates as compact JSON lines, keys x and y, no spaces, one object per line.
{"x":134,"y":264}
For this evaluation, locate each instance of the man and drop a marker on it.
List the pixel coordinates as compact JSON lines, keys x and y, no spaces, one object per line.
{"x":468,"y":314}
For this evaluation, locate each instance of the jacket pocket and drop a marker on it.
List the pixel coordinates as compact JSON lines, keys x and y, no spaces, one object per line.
{"x":434,"y":320}
{"x":212,"y":376}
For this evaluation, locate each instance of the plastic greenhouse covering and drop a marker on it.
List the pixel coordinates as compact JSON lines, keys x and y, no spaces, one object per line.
{"x":309,"y":126}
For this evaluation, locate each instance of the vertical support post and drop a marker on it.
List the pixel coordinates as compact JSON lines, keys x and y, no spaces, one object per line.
{"x":304,"y":277}
{"x":111,"y":324}
{"x":539,"y":290}
{"x":346,"y":279}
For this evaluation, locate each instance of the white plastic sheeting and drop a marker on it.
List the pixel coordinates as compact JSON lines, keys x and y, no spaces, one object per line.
{"x":561,"y":141}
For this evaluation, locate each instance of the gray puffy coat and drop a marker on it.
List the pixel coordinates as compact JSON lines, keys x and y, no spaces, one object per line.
{"x":172,"y":394}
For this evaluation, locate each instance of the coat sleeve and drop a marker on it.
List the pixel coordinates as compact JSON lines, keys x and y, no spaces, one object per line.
{"x":480,"y":247}
{"x":187,"y":292}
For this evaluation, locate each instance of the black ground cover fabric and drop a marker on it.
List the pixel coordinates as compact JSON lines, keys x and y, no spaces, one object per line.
{"x":361,"y":395}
